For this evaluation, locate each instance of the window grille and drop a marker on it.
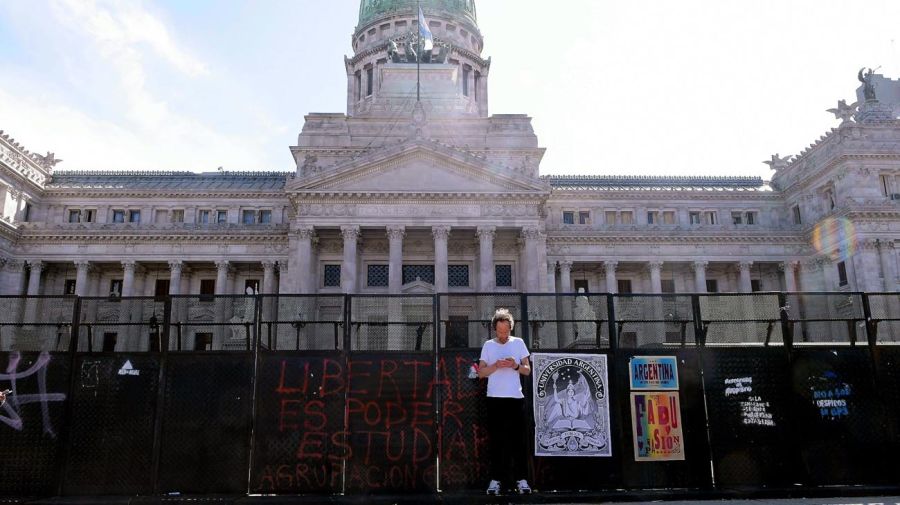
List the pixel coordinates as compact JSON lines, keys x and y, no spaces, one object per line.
{"x":413,"y":272}
{"x":377,"y":276}
{"x":458,"y":276}
{"x":332,"y":276}
{"x":503,"y":276}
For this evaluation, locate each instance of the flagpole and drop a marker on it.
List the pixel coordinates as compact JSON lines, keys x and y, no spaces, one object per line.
{"x":418,"y":54}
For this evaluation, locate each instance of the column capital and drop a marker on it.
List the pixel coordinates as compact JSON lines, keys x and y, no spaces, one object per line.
{"x":176,"y":264}
{"x":306,"y":232}
{"x":551,"y":267}
{"x":269,"y":264}
{"x":223,"y":265}
{"x":788,"y":265}
{"x":745,"y":265}
{"x":565,"y":264}
{"x":868,"y":244}
{"x":395,"y":232}
{"x":531,"y":232}
{"x":36,"y":264}
{"x":350,"y":232}
{"x":886,"y":243}
{"x":282,"y":266}
{"x":699,"y":266}
{"x":485,"y":232}
{"x":441,"y":231}
{"x":610,"y":265}
{"x":654,"y":265}
{"x":129,"y":265}
{"x":82,"y":264}
{"x":14,"y":265}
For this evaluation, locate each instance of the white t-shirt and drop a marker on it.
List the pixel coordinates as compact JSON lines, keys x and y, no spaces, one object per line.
{"x":505,"y":382}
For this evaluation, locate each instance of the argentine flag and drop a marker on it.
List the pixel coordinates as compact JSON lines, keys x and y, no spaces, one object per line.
{"x":425,"y":32}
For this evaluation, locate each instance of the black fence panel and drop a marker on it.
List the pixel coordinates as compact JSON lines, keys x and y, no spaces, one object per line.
{"x":391,"y":408}
{"x":300,"y":437}
{"x":887,"y":369}
{"x":31,"y":421}
{"x":559,"y":473}
{"x":462,"y":432}
{"x":694,"y":470}
{"x":205,"y":439}
{"x":112,"y":425}
{"x":840,"y":420}
{"x":748,"y":399}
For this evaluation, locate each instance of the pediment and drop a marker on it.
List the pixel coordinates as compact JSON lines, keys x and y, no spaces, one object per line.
{"x":422,"y":166}
{"x":417,"y":287}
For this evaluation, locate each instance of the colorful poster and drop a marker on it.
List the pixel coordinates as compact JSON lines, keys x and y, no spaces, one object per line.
{"x":654,"y":373}
{"x":571,"y":405}
{"x":656,"y":424}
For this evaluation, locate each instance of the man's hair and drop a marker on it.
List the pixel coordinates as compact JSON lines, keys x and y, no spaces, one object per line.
{"x":503,"y":315}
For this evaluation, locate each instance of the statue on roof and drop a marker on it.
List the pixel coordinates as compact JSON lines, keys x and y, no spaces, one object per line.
{"x":777,"y":162}
{"x":49,"y":161}
{"x":843,"y":111}
{"x":868,"y":80}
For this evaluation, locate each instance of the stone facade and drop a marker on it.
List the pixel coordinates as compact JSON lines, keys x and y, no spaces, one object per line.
{"x":401,"y":196}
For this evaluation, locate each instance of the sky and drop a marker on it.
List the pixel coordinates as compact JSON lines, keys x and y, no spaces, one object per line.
{"x":637,"y":87}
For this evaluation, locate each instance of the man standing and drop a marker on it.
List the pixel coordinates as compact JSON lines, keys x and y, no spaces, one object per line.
{"x":504,"y":359}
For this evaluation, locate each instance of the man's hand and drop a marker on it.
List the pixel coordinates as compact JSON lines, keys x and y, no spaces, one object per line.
{"x":506,"y":363}
{"x":3,"y":396}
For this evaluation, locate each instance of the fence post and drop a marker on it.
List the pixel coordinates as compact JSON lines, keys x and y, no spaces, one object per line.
{"x":160,"y":413}
{"x":699,"y":326}
{"x":439,"y":392}
{"x":871,"y":324}
{"x":611,"y":324}
{"x":167,"y":323}
{"x":787,"y":330}
{"x":254,"y":402}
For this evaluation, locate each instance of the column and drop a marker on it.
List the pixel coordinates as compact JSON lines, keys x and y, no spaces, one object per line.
{"x":486,"y":274}
{"x":610,"y":268}
{"x":745,"y":285}
{"x":351,"y":236}
{"x":82,"y":268}
{"x":700,"y":276}
{"x":655,"y":268}
{"x":565,"y":276}
{"x":790,"y":275}
{"x":268,"y":287}
{"x":222,"y":268}
{"x":304,"y":278}
{"x":34,"y":281}
{"x":544,"y":286}
{"x":551,"y":276}
{"x":395,"y":258}
{"x":175,"y":270}
{"x":441,"y":235}
{"x":16,"y":270}
{"x":888,"y":264}
{"x":531,"y":235}
{"x":128,"y":278}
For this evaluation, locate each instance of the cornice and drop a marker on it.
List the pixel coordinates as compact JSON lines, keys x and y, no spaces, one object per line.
{"x":767,"y":238}
{"x":113,"y":193}
{"x":107,"y":238}
{"x":389,"y":197}
{"x":662,"y":194}
{"x":824,"y":171}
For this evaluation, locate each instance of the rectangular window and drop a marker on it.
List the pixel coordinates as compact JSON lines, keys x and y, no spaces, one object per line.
{"x":161,"y":289}
{"x":88,"y":215}
{"x":503,"y":276}
{"x":668,"y":217}
{"x":69,"y":288}
{"x":668,"y":285}
{"x":74,"y":216}
{"x":751,"y":218}
{"x":568,"y":217}
{"x":203,"y":217}
{"x":584,"y":217}
{"x":358,"y":85}
{"x":332,"y":276}
{"x":465,"y":81}
{"x":842,"y":274}
{"x":370,"y":77}
{"x":221,"y":216}
{"x":652,"y":217}
{"x":795,"y":211}
{"x":623,"y":286}
{"x":265,"y":217}
{"x":27,"y":216}
{"x":737,"y":218}
{"x":134,"y":216}
{"x":458,"y":276}
{"x":377,"y":276}
{"x":115,"y":288}
{"x":885,"y":185}
{"x":248,"y":217}
{"x":712,"y":217}
{"x":755,"y":285}
{"x":610,"y":217}
{"x":477,"y":83}
{"x":118,"y":216}
{"x":207,"y":289}
{"x":177,"y":216}
{"x":712,"y":286}
{"x":694,"y":217}
{"x":627,"y":217}
{"x":412,"y":273}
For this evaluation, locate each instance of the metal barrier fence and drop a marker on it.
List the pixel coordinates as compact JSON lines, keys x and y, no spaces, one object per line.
{"x":360,"y":394}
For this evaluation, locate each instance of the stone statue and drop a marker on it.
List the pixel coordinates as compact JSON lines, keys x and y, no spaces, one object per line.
{"x":309,"y":166}
{"x":393,"y":52}
{"x":777,"y":162}
{"x":49,"y":161}
{"x":584,"y":317}
{"x":843,"y":111}
{"x":868,"y":82}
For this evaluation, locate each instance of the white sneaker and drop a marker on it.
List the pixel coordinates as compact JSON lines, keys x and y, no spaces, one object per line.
{"x":522,"y":487}
{"x":494,"y":487}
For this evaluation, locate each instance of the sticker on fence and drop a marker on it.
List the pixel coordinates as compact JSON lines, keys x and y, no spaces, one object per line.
{"x":831,"y":395}
{"x":656,"y":424}
{"x":571,"y":405}
{"x":654,"y":373}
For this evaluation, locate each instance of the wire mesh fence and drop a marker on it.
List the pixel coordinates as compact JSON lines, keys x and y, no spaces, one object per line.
{"x":654,"y":321}
{"x":817,"y":318}
{"x":465,"y":319}
{"x":36,"y":323}
{"x":302,"y":322}
{"x":748,"y":319}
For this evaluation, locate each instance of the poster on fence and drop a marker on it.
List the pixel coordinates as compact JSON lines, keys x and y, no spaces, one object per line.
{"x":656,"y":424}
{"x":571,"y":405}
{"x":654,"y":373}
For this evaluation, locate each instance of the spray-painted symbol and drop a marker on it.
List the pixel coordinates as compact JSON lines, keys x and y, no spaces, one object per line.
{"x":12,"y":402}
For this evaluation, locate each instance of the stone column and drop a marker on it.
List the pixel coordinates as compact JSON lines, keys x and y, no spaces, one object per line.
{"x":565,"y":276}
{"x":888,"y":264}
{"x":700,"y":276}
{"x":441,"y":235}
{"x":34,"y":281}
{"x":790,"y":275}
{"x":655,"y":268}
{"x":222,"y":269}
{"x":395,"y":258}
{"x":127,"y":278}
{"x":610,"y":268}
{"x":304,"y":277}
{"x":542,"y":260}
{"x":268,"y":287}
{"x":486,"y":275}
{"x":82,"y":268}
{"x":531,"y":235}
{"x":16,"y":269}
{"x":866,"y":264}
{"x":746,"y":286}
{"x":351,"y":236}
{"x":175,"y":269}
{"x":551,"y":276}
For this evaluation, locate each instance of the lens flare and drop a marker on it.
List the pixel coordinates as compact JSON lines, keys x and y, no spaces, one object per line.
{"x":835,"y":237}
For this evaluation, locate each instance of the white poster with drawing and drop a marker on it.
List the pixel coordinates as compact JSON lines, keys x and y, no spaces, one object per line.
{"x":571,"y":405}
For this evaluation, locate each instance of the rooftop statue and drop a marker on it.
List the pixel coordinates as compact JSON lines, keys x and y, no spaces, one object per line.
{"x":843,"y":111}
{"x":868,"y":81}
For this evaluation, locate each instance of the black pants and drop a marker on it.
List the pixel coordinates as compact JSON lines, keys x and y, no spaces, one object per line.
{"x":506,"y":429}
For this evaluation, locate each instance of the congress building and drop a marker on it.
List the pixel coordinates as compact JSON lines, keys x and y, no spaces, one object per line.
{"x":416,"y":189}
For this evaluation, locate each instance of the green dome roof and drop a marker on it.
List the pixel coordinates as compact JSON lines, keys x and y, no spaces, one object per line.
{"x":463,"y":10}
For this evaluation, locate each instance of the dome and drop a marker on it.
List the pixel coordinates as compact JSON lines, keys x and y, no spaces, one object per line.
{"x":462,"y":10}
